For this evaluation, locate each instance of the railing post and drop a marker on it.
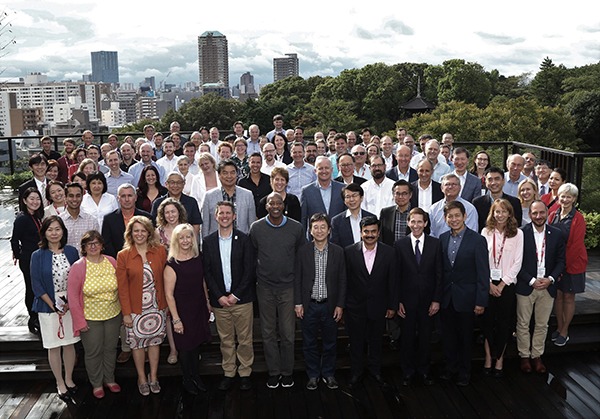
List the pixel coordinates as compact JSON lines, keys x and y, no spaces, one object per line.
{"x":10,"y":156}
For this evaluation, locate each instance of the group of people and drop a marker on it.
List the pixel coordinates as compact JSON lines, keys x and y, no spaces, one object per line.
{"x":373,"y":233}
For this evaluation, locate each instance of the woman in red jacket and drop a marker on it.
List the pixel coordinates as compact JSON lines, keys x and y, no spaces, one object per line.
{"x":572,"y":281}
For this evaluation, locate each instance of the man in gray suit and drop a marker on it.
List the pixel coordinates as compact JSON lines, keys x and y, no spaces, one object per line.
{"x":470,"y":184}
{"x":324,"y":195}
{"x":242,"y":199}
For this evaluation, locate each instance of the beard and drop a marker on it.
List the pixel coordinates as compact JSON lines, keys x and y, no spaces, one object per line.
{"x":378,"y":174}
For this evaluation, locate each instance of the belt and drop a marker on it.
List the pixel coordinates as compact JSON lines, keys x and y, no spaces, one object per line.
{"x":322,"y":301}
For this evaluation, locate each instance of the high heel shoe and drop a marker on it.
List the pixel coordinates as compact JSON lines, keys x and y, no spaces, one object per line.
{"x":65,"y":397}
{"x":72,"y":390}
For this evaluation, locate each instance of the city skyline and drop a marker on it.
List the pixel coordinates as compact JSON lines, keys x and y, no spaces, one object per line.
{"x":56,"y":37}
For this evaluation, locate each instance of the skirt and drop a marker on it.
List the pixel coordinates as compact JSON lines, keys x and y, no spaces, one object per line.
{"x":57,"y":331}
{"x":572,"y":283}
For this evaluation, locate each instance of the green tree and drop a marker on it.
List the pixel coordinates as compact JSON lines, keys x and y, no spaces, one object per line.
{"x":210,"y":110}
{"x":546,"y":86}
{"x":584,"y":107}
{"x":466,"y":82}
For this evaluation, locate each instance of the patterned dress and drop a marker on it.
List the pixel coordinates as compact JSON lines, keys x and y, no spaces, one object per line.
{"x":148,"y":328}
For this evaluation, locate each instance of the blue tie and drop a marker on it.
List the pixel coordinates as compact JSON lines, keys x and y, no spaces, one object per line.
{"x":417,"y":253}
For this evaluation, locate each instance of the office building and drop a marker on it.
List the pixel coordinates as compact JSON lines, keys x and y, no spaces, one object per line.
{"x":213,"y":62}
{"x":285,"y":67}
{"x":105,"y":67}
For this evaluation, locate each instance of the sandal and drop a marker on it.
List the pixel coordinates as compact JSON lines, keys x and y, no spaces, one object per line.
{"x":154,"y":386}
{"x":144,"y":389}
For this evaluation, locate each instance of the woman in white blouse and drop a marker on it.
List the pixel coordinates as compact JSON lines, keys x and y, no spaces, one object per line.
{"x":97,"y":202}
{"x":55,"y":195}
{"x":505,"y":249}
{"x":207,"y":179}
{"x":183,"y":167}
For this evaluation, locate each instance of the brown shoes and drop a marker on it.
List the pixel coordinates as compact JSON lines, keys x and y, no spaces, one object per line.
{"x":526,"y":365}
{"x":538,"y":365}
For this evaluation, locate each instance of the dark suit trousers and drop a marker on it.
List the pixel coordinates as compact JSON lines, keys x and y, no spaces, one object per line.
{"x":457,"y":336}
{"x":319,"y":316}
{"x":365,"y":332}
{"x":498,"y":320}
{"x":24,"y":265}
{"x":416,"y":336}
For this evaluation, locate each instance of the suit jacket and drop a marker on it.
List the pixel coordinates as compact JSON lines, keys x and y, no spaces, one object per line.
{"x":466,"y":283}
{"x":23,"y":187}
{"x":393,"y":174}
{"x":312,"y":203}
{"x":190,"y":204}
{"x":341,"y":231}
{"x":356,"y":179}
{"x":242,"y":268}
{"x":388,"y":225}
{"x":420,"y":284}
{"x":370,"y":295}
{"x":335,"y":276}
{"x":472,"y":188}
{"x":245,"y":210}
{"x":113,"y":230}
{"x":483,"y":204}
{"x":436,"y":193}
{"x":554,"y":257}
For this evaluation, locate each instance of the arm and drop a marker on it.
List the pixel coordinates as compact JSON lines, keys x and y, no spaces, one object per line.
{"x":109,"y":248}
{"x":123,"y":283}
{"x":516,"y":261}
{"x":209,"y":274}
{"x":170,"y":278}
{"x":482,"y":265}
{"x":206,"y":216}
{"x":342,"y":283}
{"x":249,"y":270}
{"x":75,"y":283}
{"x":298,"y":307}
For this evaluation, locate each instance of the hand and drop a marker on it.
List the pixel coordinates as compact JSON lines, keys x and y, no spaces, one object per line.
{"x":178,"y":328}
{"x":127,"y":322}
{"x":84,"y":329}
{"x":434,"y":308}
{"x":541,"y":283}
{"x":479,"y":310}
{"x":299,"y":311}
{"x":389,"y":314}
{"x":495,"y":290}
{"x":337,"y":314}
{"x":65,"y":308}
{"x":402,"y":311}
{"x":232,"y":300}
{"x":224,"y":301}
{"x":15,"y":260}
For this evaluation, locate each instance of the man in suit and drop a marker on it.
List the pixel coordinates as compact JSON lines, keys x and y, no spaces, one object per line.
{"x":419,"y":258}
{"x":543,"y":263}
{"x":38,"y":164}
{"x":230,"y":276}
{"x":470,"y":184}
{"x":242,"y":199}
{"x":323,"y":196}
{"x":371,"y":297}
{"x":426,"y":192}
{"x":494,"y":182}
{"x":403,"y":169}
{"x":345,"y":164}
{"x":466,"y":284}
{"x":320,"y":298}
{"x":394,"y":219}
{"x":345,"y":227}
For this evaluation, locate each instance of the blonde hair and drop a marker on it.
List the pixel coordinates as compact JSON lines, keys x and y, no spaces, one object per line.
{"x":174,"y":247}
{"x":533,"y":184}
{"x":85,"y":162}
{"x":153,"y":240}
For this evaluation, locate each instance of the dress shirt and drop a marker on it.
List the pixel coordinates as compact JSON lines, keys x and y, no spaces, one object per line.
{"x":319,"y":290}
{"x":253,"y":147}
{"x":225,"y":251}
{"x":136,"y":171}
{"x":369,"y":256}
{"x":355,"y":225}
{"x":325,"y":195}
{"x":440,"y":170}
{"x":401,"y":175}
{"x":425,"y":197}
{"x":543,"y":188}
{"x":389,"y":161}
{"x":377,"y":196}
{"x":540,"y":248}
{"x":438,"y":222}
{"x":508,"y":254}
{"x":511,"y":188}
{"x":267,"y":169}
{"x":463,"y":179}
{"x":400,"y":222}
{"x":113,"y":183}
{"x":364,"y":172}
{"x":416,"y":158}
{"x":454,"y":244}
{"x":299,"y":178}
{"x":108,"y":203}
{"x":214,"y":149}
{"x":413,"y":241}
{"x":167,"y":164}
{"x":78,"y":226}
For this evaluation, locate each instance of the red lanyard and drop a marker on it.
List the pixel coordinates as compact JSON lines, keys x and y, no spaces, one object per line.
{"x":497,"y":261}
{"x":37,"y":223}
{"x":539,"y":260}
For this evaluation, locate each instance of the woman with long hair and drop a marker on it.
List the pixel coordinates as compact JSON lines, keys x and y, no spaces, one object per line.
{"x":505,"y":250}
{"x":527,"y":192}
{"x":149,"y":188}
{"x":140,"y":267}
{"x":557,"y":178}
{"x":481,"y":162}
{"x":282,"y":152}
{"x":52,"y":170}
{"x":50,"y":266}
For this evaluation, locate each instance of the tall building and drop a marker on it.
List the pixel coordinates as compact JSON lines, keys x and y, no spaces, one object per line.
{"x":105,"y":67}
{"x":213,"y":61}
{"x":285,"y":67}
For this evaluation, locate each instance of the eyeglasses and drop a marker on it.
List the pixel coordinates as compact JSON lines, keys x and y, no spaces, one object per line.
{"x":93,"y":244}
{"x":401,"y":193}
{"x":352,"y":196}
{"x":175,"y":182}
{"x":359,"y":153}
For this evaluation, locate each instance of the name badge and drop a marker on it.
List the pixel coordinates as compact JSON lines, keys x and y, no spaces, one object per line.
{"x":541,"y":272}
{"x":496,"y":274}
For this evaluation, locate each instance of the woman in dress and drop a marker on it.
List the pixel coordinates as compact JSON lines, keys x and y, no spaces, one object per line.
{"x":572,"y":281}
{"x":557,"y":178}
{"x":149,"y":188}
{"x":55,"y":195}
{"x":140,"y":267}
{"x":206,"y":180}
{"x":97,"y":202}
{"x":527,"y":192}
{"x":52,"y":170}
{"x":481,"y":162}
{"x":24,"y":241}
{"x":279,"y":181}
{"x":50,"y":266}
{"x":505,"y":250}
{"x":94,"y":302}
{"x":282,"y":153}
{"x":187,"y":298}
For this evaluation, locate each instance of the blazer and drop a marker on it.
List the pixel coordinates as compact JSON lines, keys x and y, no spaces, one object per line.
{"x":245,"y":210}
{"x":370,"y":295}
{"x":23,"y":187}
{"x":419,"y":284}
{"x":341,"y":231}
{"x":393,"y":174}
{"x":130,"y":276}
{"x":355,"y":179}
{"x":243,"y":268}
{"x":41,"y":276}
{"x":312,"y":203}
{"x":388,"y":225}
{"x":576,"y":257}
{"x":466,"y":283}
{"x":436,"y":193}
{"x":483,"y":204}
{"x":113,"y":230}
{"x":554,"y":259}
{"x":190,"y":204}
{"x":335,"y":276}
{"x":472,"y":188}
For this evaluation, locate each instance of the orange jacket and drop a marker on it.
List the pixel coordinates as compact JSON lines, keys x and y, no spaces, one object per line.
{"x":130,"y":276}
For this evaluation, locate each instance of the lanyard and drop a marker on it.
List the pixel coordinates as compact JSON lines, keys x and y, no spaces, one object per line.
{"x":540,"y":259}
{"x":37,"y":223}
{"x":497,"y":261}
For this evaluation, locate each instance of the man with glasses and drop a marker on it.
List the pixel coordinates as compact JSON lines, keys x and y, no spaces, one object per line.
{"x":361,"y":168}
{"x":345,"y":165}
{"x":451,"y":190}
{"x":175,"y":184}
{"x":394,"y":219}
{"x":345,"y":227}
{"x":378,"y":190}
{"x":269,"y":160}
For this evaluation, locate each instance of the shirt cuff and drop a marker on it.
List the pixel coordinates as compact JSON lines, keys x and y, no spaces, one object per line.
{"x":532,"y":282}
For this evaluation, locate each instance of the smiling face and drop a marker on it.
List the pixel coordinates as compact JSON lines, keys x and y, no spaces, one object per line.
{"x":54,"y":233}
{"x":74,"y":197}
{"x":455,"y":219}
{"x":555,"y":181}
{"x":369,"y":234}
{"x":225,"y":216}
{"x":150,"y":177}
{"x":96,"y":187}
{"x":57,"y":195}
{"x":566,"y":201}
{"x":171,"y":214}
{"x":275,"y":207}
{"x":320,"y":231}
{"x":417,"y":224}
{"x":526,"y":192}
{"x":278,"y":183}
{"x":185,"y":240}
{"x":32,"y":202}
{"x":501,"y":214}
{"x":228,"y":176}
{"x":139,"y":234}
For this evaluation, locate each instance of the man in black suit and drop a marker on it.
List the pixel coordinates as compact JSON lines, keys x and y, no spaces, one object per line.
{"x":371,"y":297}
{"x":228,"y":258}
{"x":494,"y":182}
{"x":345,"y":165}
{"x":543,"y":263}
{"x":469,"y":183}
{"x":345,"y":227}
{"x":426,"y":191}
{"x":394,"y":219}
{"x":38,"y":165}
{"x":320,"y":298}
{"x":403,"y":169}
{"x":466,"y":284}
{"x":419,"y":258}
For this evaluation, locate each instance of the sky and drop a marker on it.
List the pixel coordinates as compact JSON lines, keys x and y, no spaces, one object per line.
{"x":55,"y":37}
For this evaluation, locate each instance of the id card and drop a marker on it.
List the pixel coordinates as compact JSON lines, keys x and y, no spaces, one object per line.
{"x":541,"y":272}
{"x":496,"y":274}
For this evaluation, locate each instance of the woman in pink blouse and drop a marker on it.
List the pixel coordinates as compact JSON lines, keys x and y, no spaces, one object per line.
{"x":505,"y":249}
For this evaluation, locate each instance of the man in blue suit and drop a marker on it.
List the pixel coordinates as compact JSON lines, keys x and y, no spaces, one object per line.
{"x":403,"y":169}
{"x":323,"y":196}
{"x":345,"y":227}
{"x":470,"y":184}
{"x":466,"y":284}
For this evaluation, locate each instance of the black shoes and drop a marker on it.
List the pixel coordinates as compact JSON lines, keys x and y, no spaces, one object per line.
{"x":312,"y":384}
{"x":273,"y":381}
{"x":354,"y":381}
{"x":34,"y":326}
{"x":287,"y":381}
{"x":225,"y":384}
{"x":245,"y":383}
{"x":331,"y":382}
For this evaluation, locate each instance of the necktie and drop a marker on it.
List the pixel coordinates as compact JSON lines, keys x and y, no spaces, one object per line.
{"x":542,"y":190}
{"x":417,"y":253}
{"x":43,"y":192}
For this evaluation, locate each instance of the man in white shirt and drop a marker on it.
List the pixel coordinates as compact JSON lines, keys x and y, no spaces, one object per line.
{"x":345,"y":227}
{"x":378,"y":190}
{"x":269,"y":160}
{"x":423,"y":140}
{"x":387,"y":151}
{"x":169,"y":161}
{"x":214,"y":142}
{"x":253,"y":142}
{"x":432,"y":151}
{"x":514,"y":175}
{"x":361,"y":169}
{"x":300,"y":172}
{"x":451,"y":190}
{"x":115,"y":177}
